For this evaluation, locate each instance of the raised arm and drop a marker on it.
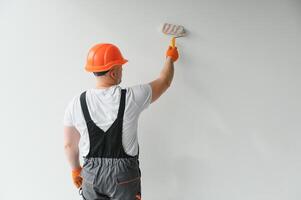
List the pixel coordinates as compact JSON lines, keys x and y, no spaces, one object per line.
{"x":160,"y":85}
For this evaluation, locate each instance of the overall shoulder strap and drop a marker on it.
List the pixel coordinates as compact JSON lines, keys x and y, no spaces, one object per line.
{"x":84,"y":106}
{"x":122,"y":104}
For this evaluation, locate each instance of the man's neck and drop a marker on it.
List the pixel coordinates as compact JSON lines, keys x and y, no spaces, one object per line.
{"x":103,"y":86}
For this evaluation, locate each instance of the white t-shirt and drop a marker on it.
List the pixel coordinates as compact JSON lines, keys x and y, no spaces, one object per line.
{"x":103,"y":107}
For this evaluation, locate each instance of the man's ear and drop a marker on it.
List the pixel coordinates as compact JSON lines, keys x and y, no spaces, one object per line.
{"x":113,"y":74}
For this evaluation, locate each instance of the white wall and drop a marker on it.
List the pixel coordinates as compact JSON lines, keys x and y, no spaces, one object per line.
{"x":228,"y":128}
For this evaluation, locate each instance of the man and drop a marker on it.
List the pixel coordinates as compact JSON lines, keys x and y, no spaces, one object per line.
{"x":101,"y":124}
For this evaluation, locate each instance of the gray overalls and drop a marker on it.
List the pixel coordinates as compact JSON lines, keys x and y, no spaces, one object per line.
{"x":108,"y":172}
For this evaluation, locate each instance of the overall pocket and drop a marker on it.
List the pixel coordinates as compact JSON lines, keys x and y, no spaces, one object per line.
{"x":127,"y":177}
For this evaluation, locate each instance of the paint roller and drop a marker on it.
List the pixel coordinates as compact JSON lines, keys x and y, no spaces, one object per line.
{"x":173,"y":30}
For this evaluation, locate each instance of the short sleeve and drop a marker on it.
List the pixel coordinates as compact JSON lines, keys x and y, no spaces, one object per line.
{"x":68,"y":120}
{"x":142,"y":95}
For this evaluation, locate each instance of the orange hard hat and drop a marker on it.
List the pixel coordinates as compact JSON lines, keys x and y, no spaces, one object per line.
{"x":103,"y":57}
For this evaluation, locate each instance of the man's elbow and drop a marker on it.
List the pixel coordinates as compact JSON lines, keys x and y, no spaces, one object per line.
{"x":69,"y":146}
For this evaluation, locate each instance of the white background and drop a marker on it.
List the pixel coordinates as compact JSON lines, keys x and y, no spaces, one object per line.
{"x":227,"y":129}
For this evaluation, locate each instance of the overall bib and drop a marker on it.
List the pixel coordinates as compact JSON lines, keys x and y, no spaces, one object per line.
{"x":108,"y":172}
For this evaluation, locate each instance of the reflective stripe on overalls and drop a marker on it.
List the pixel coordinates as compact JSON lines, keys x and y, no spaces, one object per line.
{"x":108,"y":172}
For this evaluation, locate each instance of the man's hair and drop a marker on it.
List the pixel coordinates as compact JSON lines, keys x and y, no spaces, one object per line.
{"x":100,"y":73}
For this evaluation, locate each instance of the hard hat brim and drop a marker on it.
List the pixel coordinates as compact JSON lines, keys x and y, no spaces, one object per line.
{"x":106,"y":67}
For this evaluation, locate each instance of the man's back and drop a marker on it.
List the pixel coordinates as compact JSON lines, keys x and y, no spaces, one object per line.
{"x":103,"y":106}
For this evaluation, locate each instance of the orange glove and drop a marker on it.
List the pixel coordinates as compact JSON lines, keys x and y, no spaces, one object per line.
{"x":173,"y":53}
{"x":77,"y":179}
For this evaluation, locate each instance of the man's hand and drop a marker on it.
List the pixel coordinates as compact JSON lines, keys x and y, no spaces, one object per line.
{"x":77,"y":179}
{"x":172,"y":52}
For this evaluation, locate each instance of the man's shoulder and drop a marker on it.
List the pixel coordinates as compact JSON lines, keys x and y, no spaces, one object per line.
{"x":140,"y":95}
{"x":75,"y":99}
{"x":139,"y":88}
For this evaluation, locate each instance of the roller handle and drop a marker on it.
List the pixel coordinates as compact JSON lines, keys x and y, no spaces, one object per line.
{"x":173,"y":42}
